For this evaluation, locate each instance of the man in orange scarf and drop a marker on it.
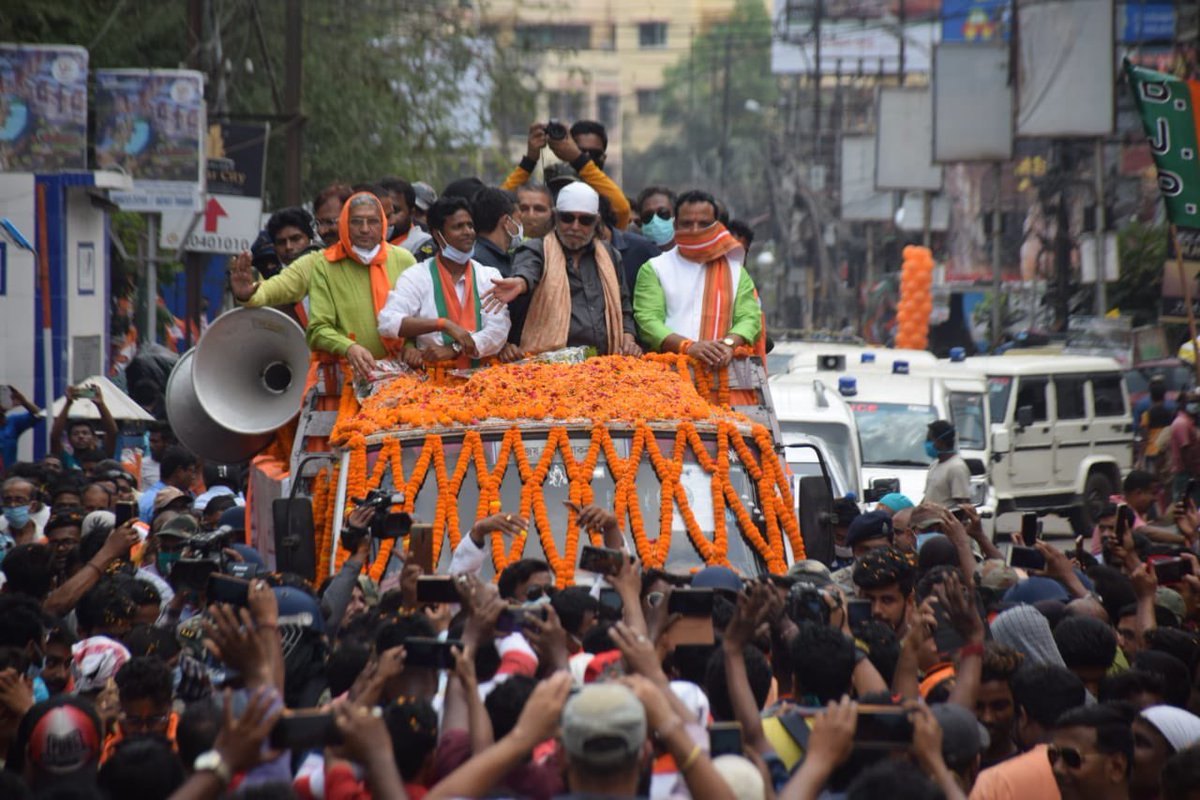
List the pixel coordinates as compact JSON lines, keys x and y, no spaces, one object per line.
{"x":578,"y":296}
{"x":697,"y":298}
{"x":350,"y":285}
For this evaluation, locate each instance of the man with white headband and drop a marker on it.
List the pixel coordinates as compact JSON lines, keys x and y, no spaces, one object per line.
{"x":697,"y":298}
{"x":578,"y":295}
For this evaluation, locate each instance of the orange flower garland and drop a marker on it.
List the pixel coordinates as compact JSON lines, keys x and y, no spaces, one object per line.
{"x":604,"y":390}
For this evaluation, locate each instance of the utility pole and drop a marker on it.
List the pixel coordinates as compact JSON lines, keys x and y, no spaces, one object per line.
{"x":725,"y":114}
{"x":1101,"y":233}
{"x":997,"y":320}
{"x":819,"y":12}
{"x":293,"y":77}
{"x":903,"y":16}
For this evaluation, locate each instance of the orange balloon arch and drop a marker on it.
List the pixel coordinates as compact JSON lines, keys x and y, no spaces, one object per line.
{"x":916,"y":298}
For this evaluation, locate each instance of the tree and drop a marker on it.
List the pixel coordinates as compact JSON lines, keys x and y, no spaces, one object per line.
{"x":1138,"y":292}
{"x":715,"y":125}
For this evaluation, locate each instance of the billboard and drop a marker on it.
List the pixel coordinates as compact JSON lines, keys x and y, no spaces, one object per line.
{"x":976,"y":20}
{"x":150,"y":125}
{"x":860,"y":201}
{"x":43,"y":108}
{"x":856,"y":46}
{"x":972,"y":103}
{"x":904,"y":143}
{"x":1066,"y":70}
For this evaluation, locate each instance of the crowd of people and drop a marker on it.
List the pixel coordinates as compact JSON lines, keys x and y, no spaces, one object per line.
{"x":146,"y":650}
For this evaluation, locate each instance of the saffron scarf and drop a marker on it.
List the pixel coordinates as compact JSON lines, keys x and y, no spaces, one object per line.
{"x":465,"y":313}
{"x":548,"y":322}
{"x":342,"y":249}
{"x":710,"y":246}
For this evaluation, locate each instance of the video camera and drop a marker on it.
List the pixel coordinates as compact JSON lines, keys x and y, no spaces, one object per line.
{"x":203,"y":556}
{"x":806,"y":603}
{"x":385,"y":524}
{"x":556,"y":131}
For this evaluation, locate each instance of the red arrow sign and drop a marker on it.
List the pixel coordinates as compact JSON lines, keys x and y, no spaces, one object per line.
{"x":212,"y":212}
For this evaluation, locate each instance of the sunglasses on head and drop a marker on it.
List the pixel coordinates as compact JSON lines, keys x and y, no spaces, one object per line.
{"x":662,"y":213}
{"x":1069,"y":755}
{"x":567,"y":218}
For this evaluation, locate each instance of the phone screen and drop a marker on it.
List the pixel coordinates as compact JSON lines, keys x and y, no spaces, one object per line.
{"x":1026,"y":558}
{"x":305,"y":731}
{"x":429,"y":653}
{"x":611,"y":599}
{"x":725,"y":738}
{"x":436,"y":589}
{"x":1172,"y":570}
{"x":420,"y":548}
{"x":601,"y":560}
{"x":859,"y":612}
{"x":124,"y":511}
{"x":227,"y":589}
{"x":691,"y":602}
{"x":883,"y":727}
{"x":1029,"y":527}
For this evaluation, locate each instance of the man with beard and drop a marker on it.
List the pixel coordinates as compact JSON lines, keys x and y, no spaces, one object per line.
{"x":578,"y":296}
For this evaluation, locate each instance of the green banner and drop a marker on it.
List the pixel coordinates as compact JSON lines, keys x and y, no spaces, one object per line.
{"x":1169,"y":109}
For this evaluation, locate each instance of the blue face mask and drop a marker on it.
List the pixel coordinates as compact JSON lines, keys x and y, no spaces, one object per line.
{"x":931,"y":449}
{"x":660,"y":231}
{"x":454,"y":254}
{"x":17,"y":516}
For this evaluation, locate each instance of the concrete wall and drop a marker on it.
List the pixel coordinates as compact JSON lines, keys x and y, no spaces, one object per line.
{"x":18,"y":275}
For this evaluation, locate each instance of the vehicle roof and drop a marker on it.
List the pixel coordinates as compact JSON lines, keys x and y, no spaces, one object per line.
{"x":884,"y":356}
{"x":795,"y":397}
{"x":876,"y":386}
{"x":1035,"y":364}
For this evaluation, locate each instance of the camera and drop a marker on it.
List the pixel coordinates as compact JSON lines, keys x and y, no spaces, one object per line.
{"x":806,"y":603}
{"x":384,"y":525}
{"x":556,"y":130}
{"x":203,"y":557}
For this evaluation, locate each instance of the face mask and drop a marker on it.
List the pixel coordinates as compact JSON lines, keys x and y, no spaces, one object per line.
{"x":659,"y":230}
{"x":515,"y":239}
{"x":363,"y":254}
{"x":17,"y":516}
{"x":931,"y":449}
{"x":454,"y":254}
{"x":164,"y":561}
{"x":842,"y":552}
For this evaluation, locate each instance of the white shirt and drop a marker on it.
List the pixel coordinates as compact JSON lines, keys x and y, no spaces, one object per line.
{"x":413,"y":297}
{"x":682,"y":283}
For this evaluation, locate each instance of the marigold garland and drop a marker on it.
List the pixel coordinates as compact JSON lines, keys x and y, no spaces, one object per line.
{"x":605,"y":390}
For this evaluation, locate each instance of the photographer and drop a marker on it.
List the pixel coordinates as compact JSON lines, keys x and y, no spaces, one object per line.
{"x":338,"y":593}
{"x":585,"y":150}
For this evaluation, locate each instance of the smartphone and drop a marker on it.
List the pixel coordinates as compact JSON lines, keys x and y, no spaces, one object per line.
{"x":948,"y":640}
{"x":611,"y":599}
{"x":227,"y":589}
{"x":858,"y":611}
{"x":960,"y":514}
{"x":514,"y":618}
{"x":1172,"y":570}
{"x":883,"y":728}
{"x":1031,"y":531}
{"x":1189,"y":493}
{"x":429,"y":653}
{"x":305,"y":730}
{"x":601,"y":560}
{"x":124,"y":511}
{"x":1124,"y":522}
{"x":725,"y":738}
{"x":1026,"y":558}
{"x":191,"y":574}
{"x":85,"y":392}
{"x":691,"y":602}
{"x":420,"y":551}
{"x":436,"y":588}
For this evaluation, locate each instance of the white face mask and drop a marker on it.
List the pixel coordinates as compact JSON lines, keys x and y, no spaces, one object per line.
{"x":454,"y":254}
{"x":515,"y":239}
{"x":364,"y":255}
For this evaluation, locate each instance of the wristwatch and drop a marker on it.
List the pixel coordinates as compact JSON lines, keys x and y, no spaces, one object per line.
{"x":211,"y":761}
{"x":729,"y":341}
{"x":456,"y":347}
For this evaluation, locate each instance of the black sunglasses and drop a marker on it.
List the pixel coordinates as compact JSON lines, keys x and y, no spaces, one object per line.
{"x":1069,"y":755}
{"x":662,"y":213}
{"x":567,"y":218}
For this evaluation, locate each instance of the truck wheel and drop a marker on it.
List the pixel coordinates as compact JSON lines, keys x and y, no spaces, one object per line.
{"x":1096,"y":491}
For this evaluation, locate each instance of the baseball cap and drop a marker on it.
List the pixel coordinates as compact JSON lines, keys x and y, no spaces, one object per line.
{"x":742,"y":777}
{"x":603,"y":725}
{"x":166,"y":496}
{"x":426,"y":196}
{"x":61,"y":738}
{"x":183,"y":526}
{"x":963,"y":737}
{"x":94,"y":661}
{"x":872,"y":525}
{"x":234,"y":518}
{"x":1172,"y":601}
{"x":895,"y":501}
{"x":717,"y":577}
{"x":558,"y":175}
{"x":811,"y":571}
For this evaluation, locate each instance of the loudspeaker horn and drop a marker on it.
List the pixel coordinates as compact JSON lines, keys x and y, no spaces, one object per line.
{"x":245,"y":378}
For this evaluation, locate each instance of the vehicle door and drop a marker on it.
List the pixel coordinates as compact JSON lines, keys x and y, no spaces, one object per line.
{"x":1112,"y":428}
{"x":1032,"y":462}
{"x":1073,"y":429}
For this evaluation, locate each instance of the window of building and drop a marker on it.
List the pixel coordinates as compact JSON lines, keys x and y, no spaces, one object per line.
{"x":652,"y":34}
{"x":555,"y":37}
{"x":648,"y":100}
{"x":566,"y":106}
{"x":606,"y":110}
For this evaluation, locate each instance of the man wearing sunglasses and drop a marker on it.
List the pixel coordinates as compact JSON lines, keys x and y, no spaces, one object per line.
{"x":1091,"y":753}
{"x":577,"y":291}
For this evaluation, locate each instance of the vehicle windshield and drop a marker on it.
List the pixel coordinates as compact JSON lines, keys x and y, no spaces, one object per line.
{"x":893,"y":434}
{"x":999,"y":389}
{"x":682,"y":556}
{"x":969,"y":415}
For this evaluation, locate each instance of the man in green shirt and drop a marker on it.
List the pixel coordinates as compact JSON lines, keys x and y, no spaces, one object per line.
{"x":697,"y":297}
{"x":347,"y":283}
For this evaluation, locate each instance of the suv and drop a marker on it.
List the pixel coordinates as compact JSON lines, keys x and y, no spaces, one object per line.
{"x":1061,"y":431}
